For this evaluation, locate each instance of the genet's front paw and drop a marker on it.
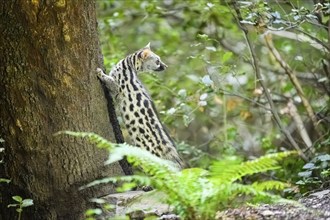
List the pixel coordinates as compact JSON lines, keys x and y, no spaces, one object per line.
{"x":99,"y":72}
{"x":106,"y":79}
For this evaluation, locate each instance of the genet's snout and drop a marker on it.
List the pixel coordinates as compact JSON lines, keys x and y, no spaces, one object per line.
{"x":162,"y":67}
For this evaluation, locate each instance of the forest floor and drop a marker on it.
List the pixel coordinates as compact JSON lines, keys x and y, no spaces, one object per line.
{"x":316,"y":206}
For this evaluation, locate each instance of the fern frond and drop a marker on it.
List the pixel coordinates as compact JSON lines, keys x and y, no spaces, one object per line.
{"x":162,"y":172}
{"x":141,"y":158}
{"x":227,"y":162}
{"x":142,"y":180}
{"x":237,"y":171}
{"x":270,"y":185}
{"x":194,"y":193}
{"x":255,"y":194}
{"x":92,"y":137}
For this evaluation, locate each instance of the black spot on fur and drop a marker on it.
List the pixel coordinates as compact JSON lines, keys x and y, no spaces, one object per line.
{"x":150,"y":113}
{"x":125,"y":75}
{"x":138,"y":98}
{"x":131,"y":107}
{"x":160,"y":132}
{"x":134,"y":60}
{"x":146,"y":103}
{"x":147,"y":137}
{"x":127,"y":117}
{"x":151,"y":129}
{"x":132,"y":80}
{"x":123,"y":64}
{"x":159,"y":148}
{"x":142,"y":131}
{"x":127,"y":87}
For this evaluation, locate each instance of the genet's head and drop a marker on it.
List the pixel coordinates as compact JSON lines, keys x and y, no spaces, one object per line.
{"x":148,"y":61}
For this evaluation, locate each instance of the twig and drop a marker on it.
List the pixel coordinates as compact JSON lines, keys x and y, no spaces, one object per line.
{"x":301,"y":75}
{"x":293,"y":112}
{"x":294,"y":81}
{"x":303,"y":37}
{"x":255,"y":65}
{"x":245,"y":98}
{"x":323,"y":44}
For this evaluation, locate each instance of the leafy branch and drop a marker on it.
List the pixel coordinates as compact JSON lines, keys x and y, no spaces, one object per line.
{"x":263,"y":85}
{"x":294,"y":81}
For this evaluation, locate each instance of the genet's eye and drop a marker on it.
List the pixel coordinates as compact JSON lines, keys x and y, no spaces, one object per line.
{"x":157,"y":62}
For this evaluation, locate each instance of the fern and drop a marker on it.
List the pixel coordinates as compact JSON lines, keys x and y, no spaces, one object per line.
{"x":195,"y":193}
{"x":270,"y":185}
{"x":224,"y":172}
{"x":92,"y":137}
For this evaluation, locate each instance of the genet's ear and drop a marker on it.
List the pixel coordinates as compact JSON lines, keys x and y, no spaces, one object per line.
{"x":145,"y":53}
{"x":147,"y":46}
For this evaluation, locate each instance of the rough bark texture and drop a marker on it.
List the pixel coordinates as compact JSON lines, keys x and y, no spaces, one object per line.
{"x":49,"y":54}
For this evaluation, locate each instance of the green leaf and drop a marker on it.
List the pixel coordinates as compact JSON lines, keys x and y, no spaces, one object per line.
{"x":98,"y":201}
{"x":226,"y":56}
{"x":305,"y":174}
{"x":127,"y":187}
{"x":27,"y":202}
{"x":325,"y":157}
{"x":108,"y":206}
{"x":309,"y":166}
{"x":17,"y":199}
{"x":300,"y":182}
{"x":187,"y":120}
{"x":203,"y":36}
{"x":3,"y":180}
{"x":91,"y":212}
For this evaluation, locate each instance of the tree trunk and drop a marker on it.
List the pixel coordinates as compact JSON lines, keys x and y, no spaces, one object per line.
{"x":49,"y":54}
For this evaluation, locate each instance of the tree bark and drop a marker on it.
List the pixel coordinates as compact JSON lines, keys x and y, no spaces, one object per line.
{"x":49,"y":54}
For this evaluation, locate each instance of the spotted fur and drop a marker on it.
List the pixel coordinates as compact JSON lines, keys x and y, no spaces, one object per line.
{"x":136,"y":106}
